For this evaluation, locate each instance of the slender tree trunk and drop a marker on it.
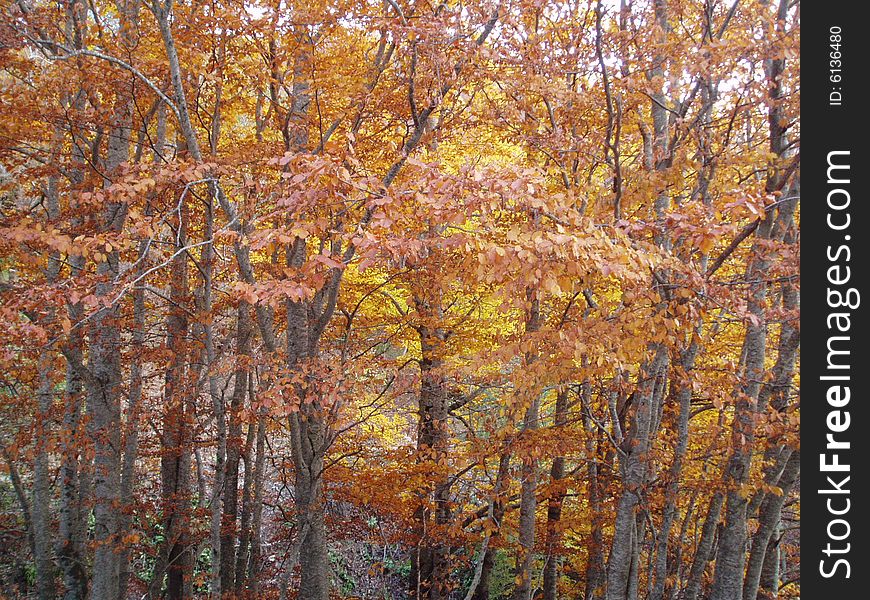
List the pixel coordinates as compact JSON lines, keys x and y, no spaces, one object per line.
{"x":730,"y":558}
{"x":428,"y":561}
{"x":104,"y":429}
{"x":768,"y":520}
{"x":768,"y":588}
{"x":247,"y":505}
{"x":478,"y":567}
{"x":683,"y":398}
{"x":75,"y":488}
{"x":254,"y":562}
{"x":783,"y":463}
{"x":42,"y":496}
{"x":304,"y":328}
{"x":209,"y":354}
{"x":208,"y":366}
{"x":70,"y":522}
{"x":481,"y":592}
{"x":104,"y":395}
{"x":308,"y":437}
{"x":75,"y":466}
{"x":175,"y":452}
{"x":24,"y":505}
{"x":554,"y":504}
{"x":528,"y":507}
{"x":675,"y":567}
{"x":529,"y":483}
{"x":705,"y":548}
{"x":131,"y":433}
{"x":596,"y":576}
{"x":621,"y":564}
{"x":233,"y":451}
{"x":40,"y":512}
{"x":728,"y":580}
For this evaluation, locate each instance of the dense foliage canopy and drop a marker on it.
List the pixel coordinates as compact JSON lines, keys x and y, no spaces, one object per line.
{"x":398,"y":298}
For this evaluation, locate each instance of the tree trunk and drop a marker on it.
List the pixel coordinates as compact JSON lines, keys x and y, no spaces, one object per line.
{"x":175,"y":451}
{"x":247,"y":504}
{"x":768,"y":588}
{"x":40,"y":519}
{"x":675,"y":567}
{"x":554,"y":504}
{"x":621,"y":576}
{"x":314,"y":562}
{"x":768,"y":520}
{"x":728,"y":580}
{"x":70,"y":522}
{"x":131,"y":435}
{"x":104,"y":430}
{"x":705,"y":548}
{"x":308,"y":440}
{"x":234,"y":449}
{"x":683,"y":398}
{"x":40,"y":512}
{"x":481,"y":592}
{"x":75,"y":487}
{"x":104,"y":395}
{"x":730,"y":558}
{"x":131,"y":432}
{"x":529,"y":484}
{"x":596,"y":576}
{"x":254,"y":563}
{"x":304,"y":328}
{"x":429,"y":571}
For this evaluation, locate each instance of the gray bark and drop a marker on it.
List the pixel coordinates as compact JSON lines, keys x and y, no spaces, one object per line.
{"x":71,"y":520}
{"x":429,"y":570}
{"x":774,"y":566}
{"x":254,"y":563}
{"x":554,"y":504}
{"x":622,"y":563}
{"x":768,"y":520}
{"x":621,"y":576}
{"x":42,"y":496}
{"x":104,"y":393}
{"x":75,"y":478}
{"x":728,"y":580}
{"x":782,"y":462}
{"x":683,"y":397}
{"x":247,"y":504}
{"x":596,"y":576}
{"x":675,"y":567}
{"x":104,"y":428}
{"x":705,"y":548}
{"x":175,"y":452}
{"x":209,"y":363}
{"x":131,"y":432}
{"x":233,"y":451}
{"x":529,"y":482}
{"x":481,"y":591}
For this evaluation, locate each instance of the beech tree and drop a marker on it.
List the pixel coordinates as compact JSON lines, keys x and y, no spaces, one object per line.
{"x":400,"y":299}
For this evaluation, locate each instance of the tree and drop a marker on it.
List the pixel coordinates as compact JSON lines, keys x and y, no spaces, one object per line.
{"x":400,"y":298}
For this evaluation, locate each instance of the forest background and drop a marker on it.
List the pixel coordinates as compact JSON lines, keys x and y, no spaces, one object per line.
{"x":393,"y":298}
